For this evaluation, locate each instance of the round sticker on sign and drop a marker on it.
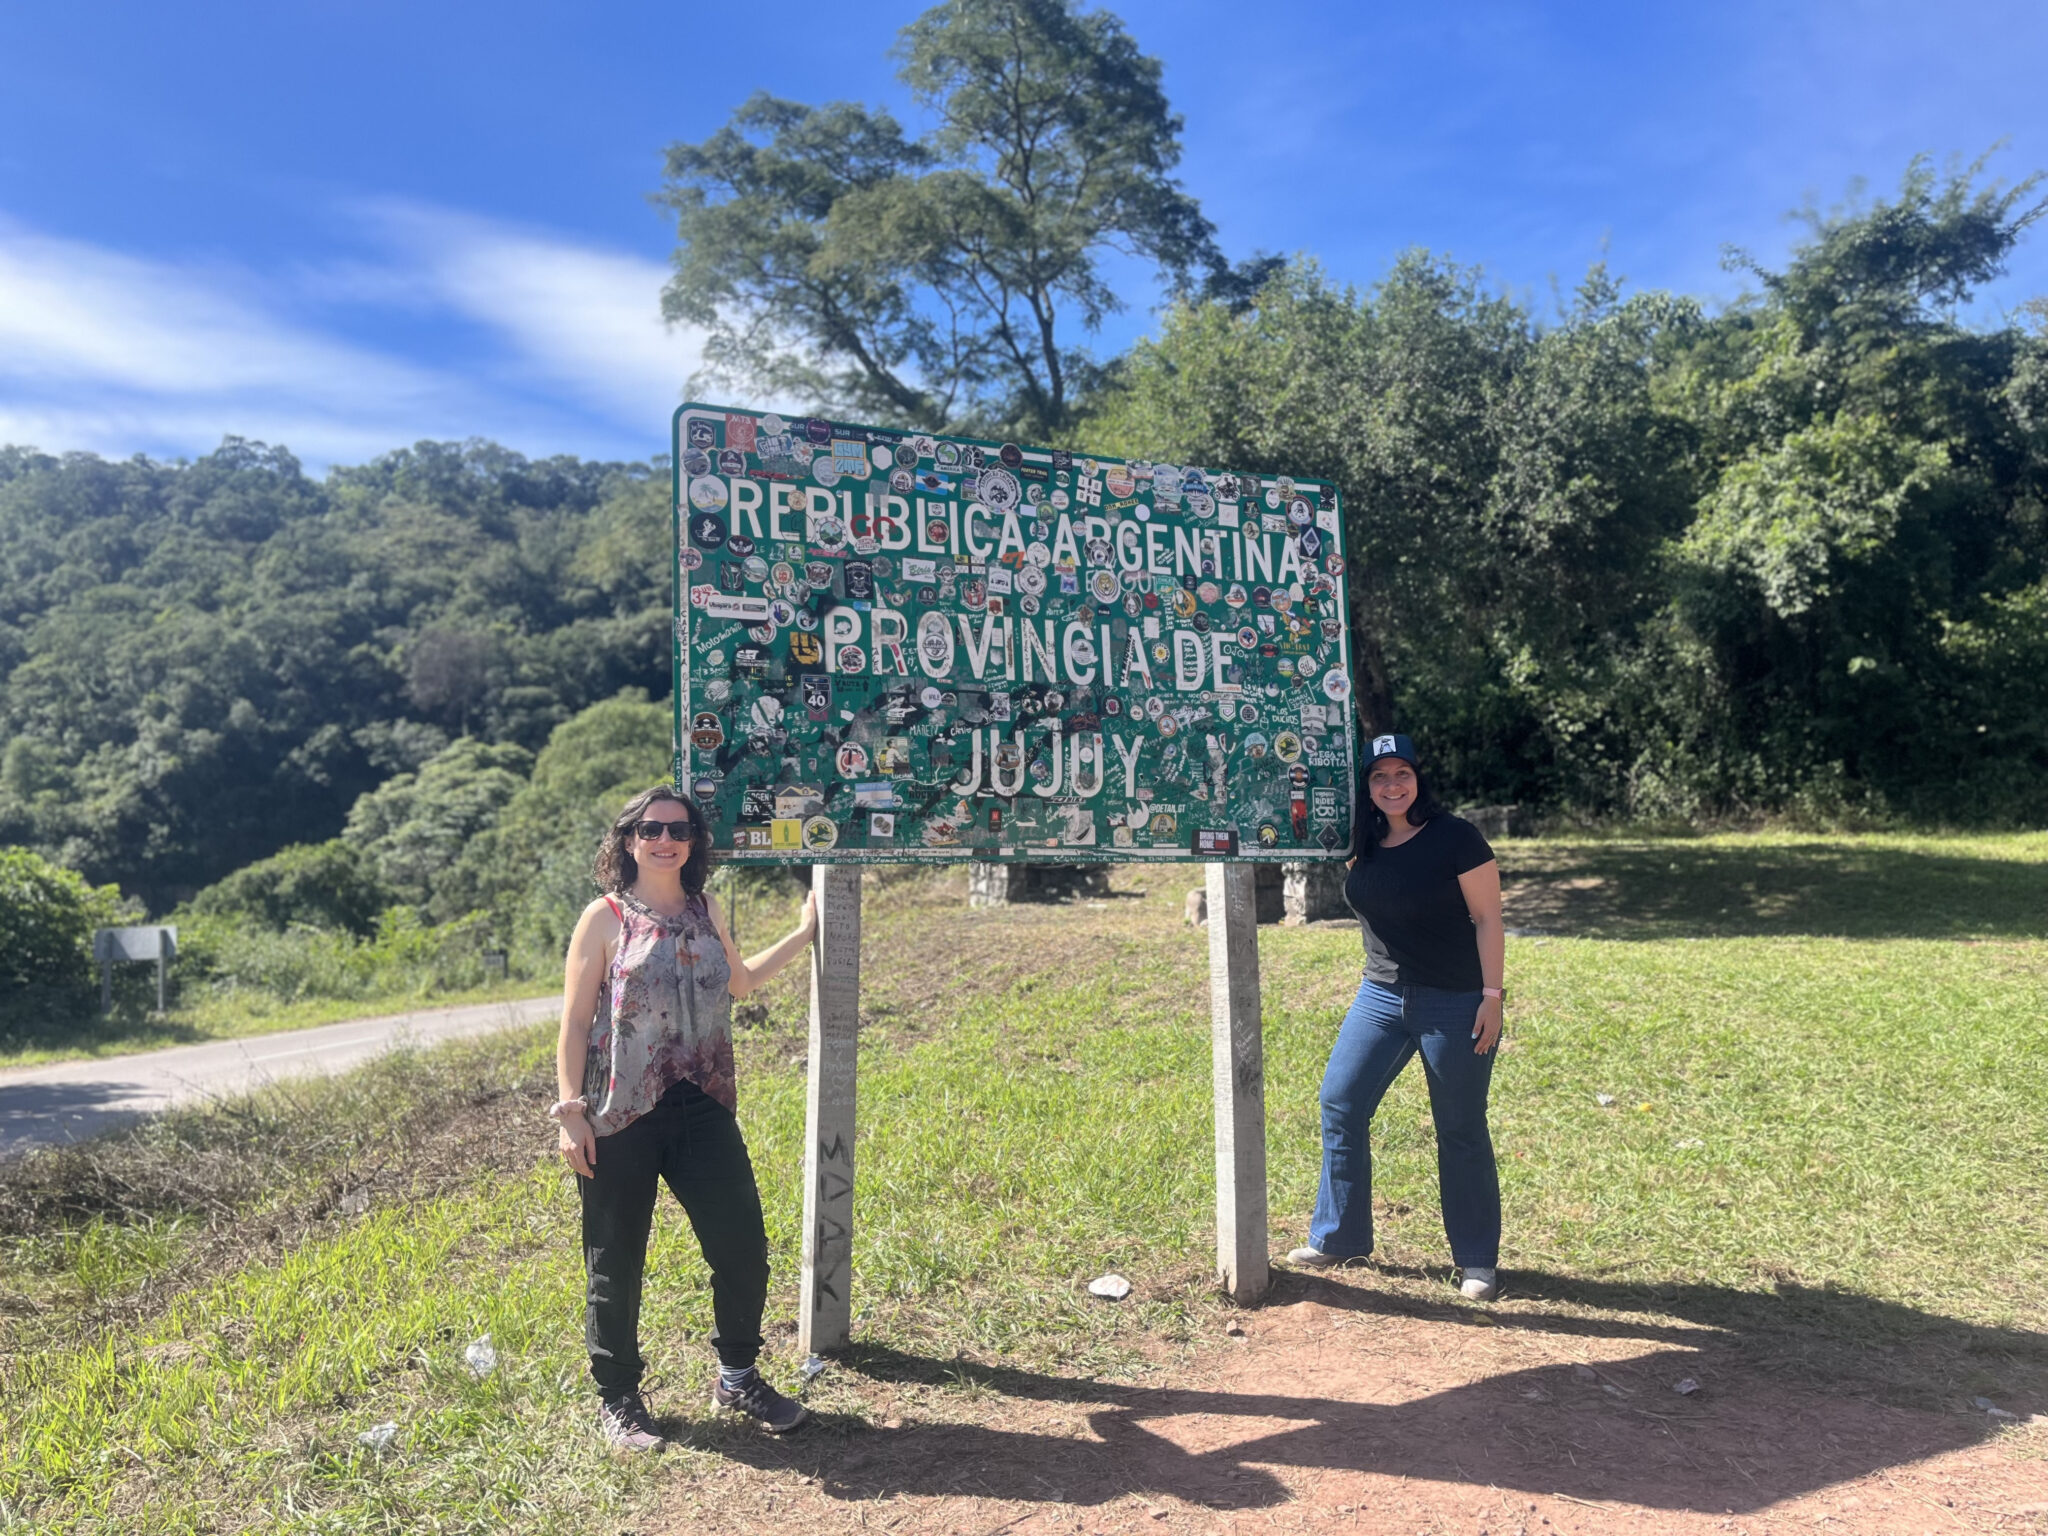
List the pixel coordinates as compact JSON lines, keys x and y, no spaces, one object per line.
{"x":1336,"y":686}
{"x":853,"y":659}
{"x":707,"y":493}
{"x":820,"y":833}
{"x":998,"y":490}
{"x":853,"y":760}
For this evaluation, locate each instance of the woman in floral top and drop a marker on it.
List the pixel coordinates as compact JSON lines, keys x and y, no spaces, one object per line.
{"x":645,"y":1071}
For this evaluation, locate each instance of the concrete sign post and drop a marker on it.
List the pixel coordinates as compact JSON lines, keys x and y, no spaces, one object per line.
{"x":898,"y":647}
{"x":825,"y":1305}
{"x":1239,"y":1064}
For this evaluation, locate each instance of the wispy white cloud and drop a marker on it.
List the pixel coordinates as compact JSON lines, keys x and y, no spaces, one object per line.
{"x":578,"y":318}
{"x":558,"y":345}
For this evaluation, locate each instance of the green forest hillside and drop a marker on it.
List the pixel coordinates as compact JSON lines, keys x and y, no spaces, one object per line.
{"x":203,"y":663}
{"x":1630,"y":560}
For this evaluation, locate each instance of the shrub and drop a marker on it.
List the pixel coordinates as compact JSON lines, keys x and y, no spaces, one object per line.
{"x":47,"y":915}
{"x":404,"y":957}
{"x":411,"y":829}
{"x":320,"y":885}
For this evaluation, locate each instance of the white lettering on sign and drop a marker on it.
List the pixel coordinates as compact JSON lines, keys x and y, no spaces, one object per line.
{"x":1219,"y":680}
{"x":842,"y":627}
{"x":1134,"y":660}
{"x":939,"y":637}
{"x":1129,"y":753}
{"x":886,"y":641}
{"x":1130,"y":551}
{"x":779,"y":496}
{"x":1039,"y":647}
{"x":746,"y":497}
{"x":1079,"y":652}
{"x":935,"y":644}
{"x":977,"y":655}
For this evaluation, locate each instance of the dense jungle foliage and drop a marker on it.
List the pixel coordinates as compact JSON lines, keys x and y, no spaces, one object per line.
{"x":1635,"y":560}
{"x":204,"y":663}
{"x":1650,"y":562}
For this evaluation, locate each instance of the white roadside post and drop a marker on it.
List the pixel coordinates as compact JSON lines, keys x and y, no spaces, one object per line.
{"x":825,"y":1307}
{"x":1240,"y":1081}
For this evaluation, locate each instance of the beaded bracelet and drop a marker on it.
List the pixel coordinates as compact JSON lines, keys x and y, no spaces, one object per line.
{"x":556,"y":1111}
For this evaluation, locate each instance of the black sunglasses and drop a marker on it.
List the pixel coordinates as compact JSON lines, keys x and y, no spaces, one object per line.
{"x":678,"y":831}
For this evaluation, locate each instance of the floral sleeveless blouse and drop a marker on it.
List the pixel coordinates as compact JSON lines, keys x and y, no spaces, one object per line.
{"x":665,"y":1017}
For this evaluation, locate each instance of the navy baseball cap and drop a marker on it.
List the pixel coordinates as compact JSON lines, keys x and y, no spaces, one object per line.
{"x":1394,"y":745}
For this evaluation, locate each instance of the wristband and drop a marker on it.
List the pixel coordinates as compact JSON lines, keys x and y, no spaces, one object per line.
{"x":556,"y":1111}
{"x":1499,"y":992}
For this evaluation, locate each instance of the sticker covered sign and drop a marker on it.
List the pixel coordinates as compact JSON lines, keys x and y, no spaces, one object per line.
{"x":891,"y":646}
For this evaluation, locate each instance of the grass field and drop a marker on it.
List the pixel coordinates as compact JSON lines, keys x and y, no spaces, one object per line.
{"x":1825,"y":1139}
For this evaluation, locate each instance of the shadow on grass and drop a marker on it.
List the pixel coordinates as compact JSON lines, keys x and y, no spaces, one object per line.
{"x":1665,"y":889}
{"x":1798,"y":1391}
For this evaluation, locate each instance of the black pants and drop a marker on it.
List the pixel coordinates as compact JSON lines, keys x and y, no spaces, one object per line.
{"x":692,"y":1142}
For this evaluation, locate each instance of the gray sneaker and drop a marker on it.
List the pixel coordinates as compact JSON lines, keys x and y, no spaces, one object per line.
{"x":1312,"y":1258}
{"x":757,"y":1400}
{"x":626,"y":1424}
{"x":1476,"y":1284}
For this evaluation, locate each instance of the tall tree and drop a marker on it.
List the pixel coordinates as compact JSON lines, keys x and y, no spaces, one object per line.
{"x":938,"y":281}
{"x":1871,"y":528}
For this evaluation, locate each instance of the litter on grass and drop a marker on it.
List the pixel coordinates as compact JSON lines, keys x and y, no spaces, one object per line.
{"x":813,"y":1368}
{"x":378,"y":1437}
{"x":480,"y":1357}
{"x":1109,"y":1287}
{"x":1685,"y":1386}
{"x":1603,"y":1099}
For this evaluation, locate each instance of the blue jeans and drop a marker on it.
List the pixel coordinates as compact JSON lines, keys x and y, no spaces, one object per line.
{"x":1386,"y":1026}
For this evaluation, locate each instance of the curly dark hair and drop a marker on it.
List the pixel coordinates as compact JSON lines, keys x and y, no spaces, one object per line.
{"x":616,"y":869}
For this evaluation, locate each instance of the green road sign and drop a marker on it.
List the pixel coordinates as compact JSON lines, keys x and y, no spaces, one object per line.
{"x":891,"y":646}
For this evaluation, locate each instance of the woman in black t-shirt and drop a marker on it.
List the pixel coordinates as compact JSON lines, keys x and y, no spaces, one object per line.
{"x":1427,"y":893}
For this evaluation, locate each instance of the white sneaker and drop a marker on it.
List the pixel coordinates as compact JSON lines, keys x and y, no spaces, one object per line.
{"x":1312,"y":1258}
{"x":1479,"y":1284}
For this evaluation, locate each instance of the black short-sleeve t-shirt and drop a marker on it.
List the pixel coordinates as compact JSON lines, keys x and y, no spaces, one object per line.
{"x":1412,"y":910}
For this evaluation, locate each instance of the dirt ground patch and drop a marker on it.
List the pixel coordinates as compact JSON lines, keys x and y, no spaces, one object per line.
{"x":1360,"y":1402}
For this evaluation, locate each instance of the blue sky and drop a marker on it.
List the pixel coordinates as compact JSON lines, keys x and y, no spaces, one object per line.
{"x":343,"y":225}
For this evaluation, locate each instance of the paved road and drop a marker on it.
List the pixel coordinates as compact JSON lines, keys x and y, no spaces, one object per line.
{"x":72,"y":1100}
